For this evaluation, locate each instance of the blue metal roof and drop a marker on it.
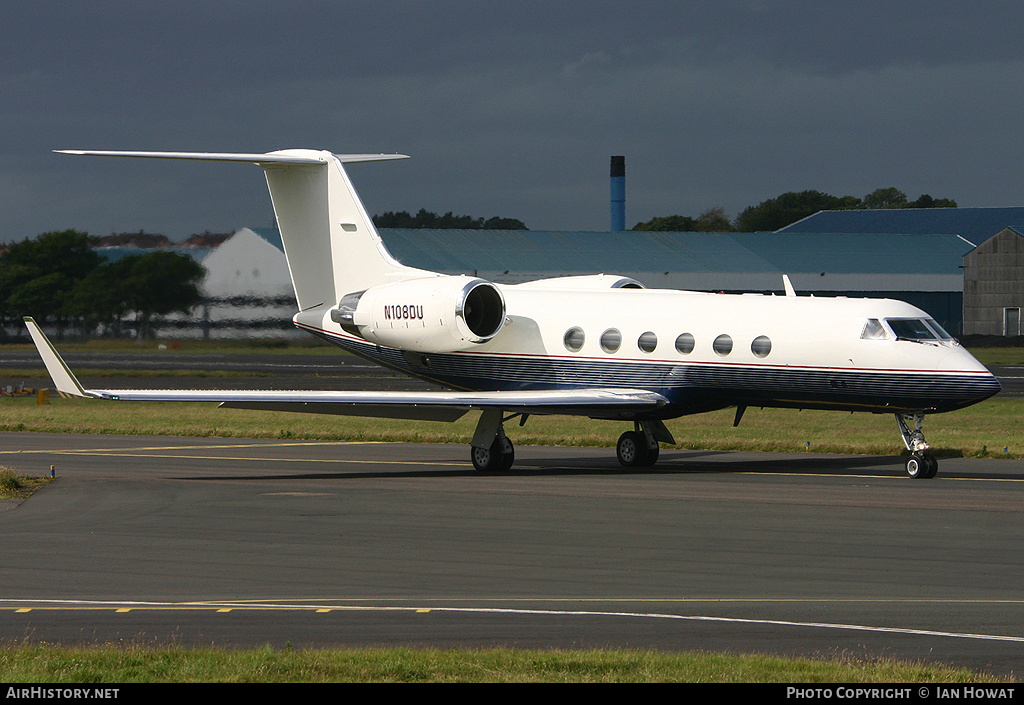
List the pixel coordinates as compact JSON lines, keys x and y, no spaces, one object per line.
{"x":645,"y":251}
{"x":974,"y":224}
{"x":271,"y":235}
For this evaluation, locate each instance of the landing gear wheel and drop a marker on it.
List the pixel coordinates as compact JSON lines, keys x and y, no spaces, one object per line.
{"x":633,"y":451}
{"x":932,"y":466}
{"x":921,"y":466}
{"x":498,"y":458}
{"x":915,"y":467}
{"x":629,"y":449}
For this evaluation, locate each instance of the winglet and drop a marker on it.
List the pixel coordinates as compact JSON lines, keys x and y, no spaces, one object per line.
{"x":67,"y":383}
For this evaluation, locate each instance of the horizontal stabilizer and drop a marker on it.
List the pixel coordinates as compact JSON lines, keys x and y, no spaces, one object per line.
{"x":292,"y":157}
{"x":330,"y":243}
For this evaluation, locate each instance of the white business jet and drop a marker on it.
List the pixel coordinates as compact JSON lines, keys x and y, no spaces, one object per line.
{"x":600,"y":346}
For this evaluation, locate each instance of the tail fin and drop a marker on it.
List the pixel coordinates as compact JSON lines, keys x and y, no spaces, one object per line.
{"x":330,"y":242}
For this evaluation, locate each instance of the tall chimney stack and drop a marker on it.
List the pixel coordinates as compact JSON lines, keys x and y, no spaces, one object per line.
{"x":618,"y":192}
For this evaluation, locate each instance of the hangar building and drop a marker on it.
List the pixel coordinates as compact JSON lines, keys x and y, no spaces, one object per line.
{"x":994,"y":285}
{"x":857,"y":256}
{"x":993,"y":288}
{"x":864,"y":264}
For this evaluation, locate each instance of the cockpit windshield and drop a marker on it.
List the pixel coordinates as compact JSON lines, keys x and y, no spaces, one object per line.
{"x":939,"y":330}
{"x":917,"y":329}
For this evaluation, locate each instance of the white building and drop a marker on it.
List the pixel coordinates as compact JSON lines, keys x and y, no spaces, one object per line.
{"x":247,"y":289}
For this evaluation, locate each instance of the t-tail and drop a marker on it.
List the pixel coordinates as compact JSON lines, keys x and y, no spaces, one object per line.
{"x":330,"y":242}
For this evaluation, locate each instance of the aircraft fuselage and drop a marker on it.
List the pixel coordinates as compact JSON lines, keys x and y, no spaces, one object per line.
{"x":701,"y":351}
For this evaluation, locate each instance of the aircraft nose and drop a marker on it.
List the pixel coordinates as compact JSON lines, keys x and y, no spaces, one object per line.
{"x":980,"y":382}
{"x":986,"y":385}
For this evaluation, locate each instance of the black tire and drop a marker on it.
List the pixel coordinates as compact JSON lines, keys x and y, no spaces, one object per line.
{"x":498,"y":458}
{"x":633,"y":452}
{"x":629,"y":449}
{"x":931,"y":466}
{"x":508,"y":456}
{"x":918,"y":466}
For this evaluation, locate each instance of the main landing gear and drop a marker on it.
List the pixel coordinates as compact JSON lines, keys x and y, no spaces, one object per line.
{"x":920,"y":465}
{"x":639,"y":448}
{"x":491,"y":450}
{"x":498,"y":457}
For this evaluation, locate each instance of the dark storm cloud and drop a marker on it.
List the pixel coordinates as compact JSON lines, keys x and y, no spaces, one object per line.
{"x":507,"y":108}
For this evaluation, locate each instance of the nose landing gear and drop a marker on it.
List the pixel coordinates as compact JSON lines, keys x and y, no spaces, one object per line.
{"x":920,"y":465}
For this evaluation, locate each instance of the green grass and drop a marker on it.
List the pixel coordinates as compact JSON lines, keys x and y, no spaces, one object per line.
{"x":14,"y":486}
{"x":12,"y":373}
{"x":999,"y":356}
{"x":261,"y":346}
{"x":983,"y":430}
{"x":43,"y":663}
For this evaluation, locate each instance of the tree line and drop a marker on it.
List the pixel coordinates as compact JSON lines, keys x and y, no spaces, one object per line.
{"x":59,"y":279}
{"x":448,"y":221}
{"x":788,"y":208}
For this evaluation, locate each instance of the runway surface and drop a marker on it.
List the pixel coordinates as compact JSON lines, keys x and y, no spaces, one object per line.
{"x":251,"y":542}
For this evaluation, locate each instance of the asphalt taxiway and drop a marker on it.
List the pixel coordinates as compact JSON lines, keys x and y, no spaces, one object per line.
{"x":250,"y":542}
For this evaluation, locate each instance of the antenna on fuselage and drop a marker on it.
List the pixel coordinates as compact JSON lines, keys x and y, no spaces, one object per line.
{"x":788,"y":285}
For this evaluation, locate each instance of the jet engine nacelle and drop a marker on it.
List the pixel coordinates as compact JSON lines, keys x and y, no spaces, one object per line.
{"x":584,"y":281}
{"x":434,"y":314}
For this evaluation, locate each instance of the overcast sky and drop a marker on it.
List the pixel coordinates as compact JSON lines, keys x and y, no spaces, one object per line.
{"x":506,"y":108}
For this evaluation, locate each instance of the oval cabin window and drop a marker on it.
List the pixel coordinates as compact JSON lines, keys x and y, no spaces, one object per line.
{"x":684,"y":343}
{"x":723,"y":345}
{"x":574,"y":339}
{"x":647,"y":342}
{"x":761,"y":346}
{"x":611,"y":339}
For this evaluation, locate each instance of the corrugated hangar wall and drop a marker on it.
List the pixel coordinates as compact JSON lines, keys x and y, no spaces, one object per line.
{"x":994,"y":286}
{"x":821,"y":264}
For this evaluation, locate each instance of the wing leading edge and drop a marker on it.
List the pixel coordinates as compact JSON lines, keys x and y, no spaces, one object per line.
{"x":437,"y":406}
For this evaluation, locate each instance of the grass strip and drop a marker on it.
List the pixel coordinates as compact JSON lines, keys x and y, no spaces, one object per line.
{"x":86,"y":372}
{"x":20,"y":487}
{"x":994,"y":428}
{"x":45,"y":663}
{"x":254,"y":346}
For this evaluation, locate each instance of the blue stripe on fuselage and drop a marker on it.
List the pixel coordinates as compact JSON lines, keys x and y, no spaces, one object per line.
{"x":691,"y":387}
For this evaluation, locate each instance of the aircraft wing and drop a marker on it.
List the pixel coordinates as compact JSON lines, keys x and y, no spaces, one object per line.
{"x":438,"y":406}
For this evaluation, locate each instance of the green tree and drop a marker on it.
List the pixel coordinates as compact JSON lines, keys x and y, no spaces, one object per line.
{"x":146,"y":285}
{"x":448,"y":221}
{"x":788,"y":208}
{"x":37,"y":275}
{"x":713,"y":220}
{"x":669,"y":223}
{"x":497,"y":223}
{"x":881,"y":198}
{"x":926,"y":201}
{"x":158,"y":283}
{"x":100,"y":298}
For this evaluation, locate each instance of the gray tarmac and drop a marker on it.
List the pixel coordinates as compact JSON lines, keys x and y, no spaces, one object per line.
{"x":251,"y":542}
